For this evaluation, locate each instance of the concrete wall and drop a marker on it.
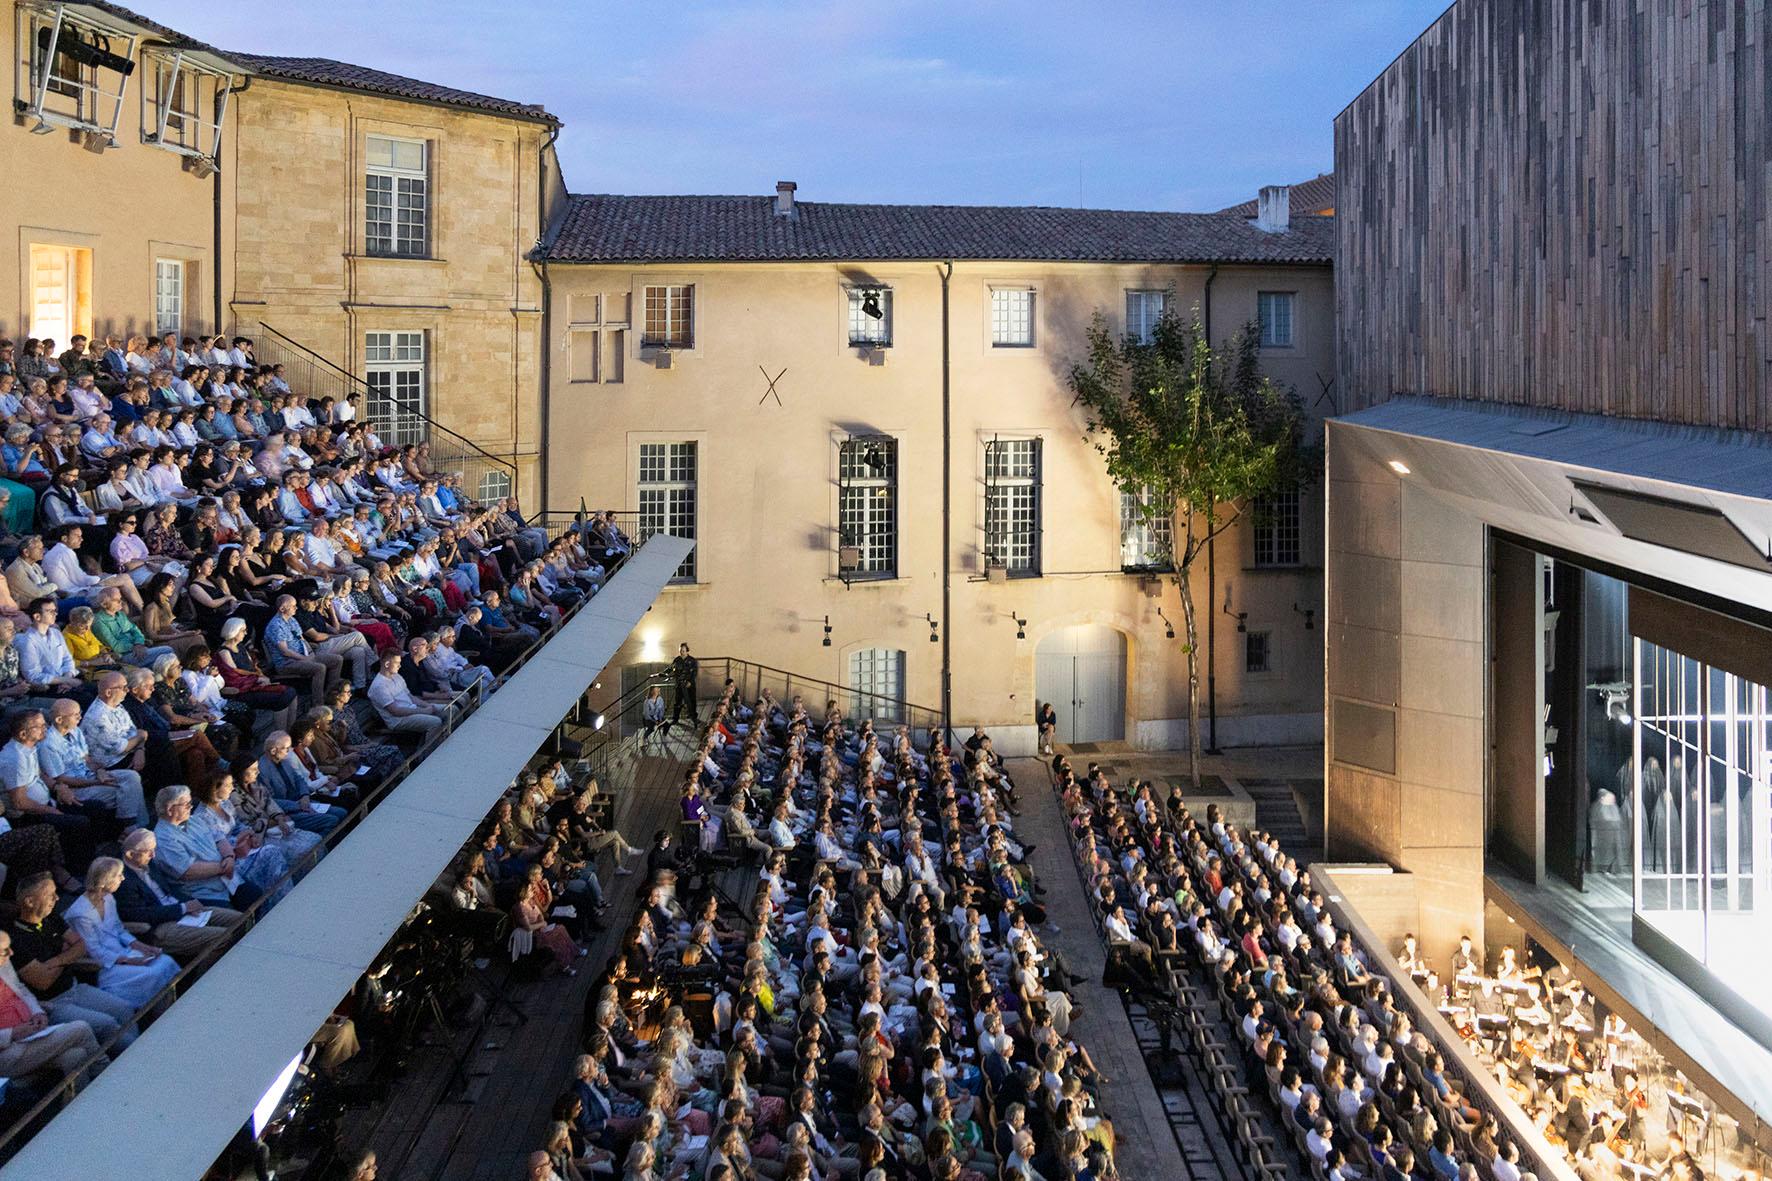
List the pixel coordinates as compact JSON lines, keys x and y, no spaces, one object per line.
{"x":298,"y":237}
{"x":1404,"y":712}
{"x":767,"y":562}
{"x":127,"y":206}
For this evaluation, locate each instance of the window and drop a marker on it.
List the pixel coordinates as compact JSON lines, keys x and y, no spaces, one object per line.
{"x":1146,"y":541}
{"x":1276,"y":529}
{"x":183,"y":104}
{"x":670,"y":317}
{"x":597,"y":338}
{"x":1256,"y":652}
{"x":876,"y":684}
{"x":1275,"y":311}
{"x":1012,"y":318}
{"x":169,"y":296}
{"x":61,"y":291}
{"x":1012,"y":505}
{"x":494,"y":485}
{"x":870,"y":316}
{"x":396,"y":191}
{"x":667,"y":496}
{"x":1143,"y":310}
{"x":394,"y":368}
{"x":867,"y":506}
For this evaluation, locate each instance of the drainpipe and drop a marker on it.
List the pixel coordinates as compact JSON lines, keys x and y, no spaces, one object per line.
{"x":216,"y":214}
{"x":947,"y":463}
{"x":1211,"y":569}
{"x":547,"y":312}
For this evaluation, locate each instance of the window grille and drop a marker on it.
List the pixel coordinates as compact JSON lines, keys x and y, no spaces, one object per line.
{"x":396,"y":189}
{"x":867,"y":505}
{"x":394,"y":371}
{"x":670,"y":317}
{"x":1012,"y":318}
{"x":1012,"y":505}
{"x":1146,"y":542}
{"x":667,"y":496}
{"x":866,"y":330}
{"x":1276,"y":522}
{"x":1275,"y":311}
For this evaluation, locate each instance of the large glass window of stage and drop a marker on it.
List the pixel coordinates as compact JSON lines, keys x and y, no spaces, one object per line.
{"x":1701,"y":812}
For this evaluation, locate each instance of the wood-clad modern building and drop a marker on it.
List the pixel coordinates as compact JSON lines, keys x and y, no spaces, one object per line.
{"x":1565,"y":204}
{"x":1548,"y":540}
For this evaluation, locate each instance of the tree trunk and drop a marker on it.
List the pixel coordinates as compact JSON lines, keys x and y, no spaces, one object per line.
{"x":1193,"y":675}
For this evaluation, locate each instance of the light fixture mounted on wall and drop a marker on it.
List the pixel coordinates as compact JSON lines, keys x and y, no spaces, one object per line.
{"x":1310,"y":617}
{"x":870,"y":304}
{"x":1616,"y":695}
{"x":1398,"y":466}
{"x":1021,"y":626}
{"x":827,"y":631}
{"x":934,"y":633}
{"x":1242,"y":618}
{"x":1168,"y":628}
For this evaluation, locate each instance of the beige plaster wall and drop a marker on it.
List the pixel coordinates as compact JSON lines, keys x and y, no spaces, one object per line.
{"x":767,"y":496}
{"x":302,"y":268}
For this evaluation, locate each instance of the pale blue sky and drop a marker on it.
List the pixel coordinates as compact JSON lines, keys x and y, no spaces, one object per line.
{"x":1153,"y":104}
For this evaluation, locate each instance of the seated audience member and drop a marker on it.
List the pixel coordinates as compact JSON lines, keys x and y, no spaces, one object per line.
{"x":140,"y":898}
{"x":31,"y":1038}
{"x":312,"y":799}
{"x":394,"y":700}
{"x":44,"y":951}
{"x":129,"y":969}
{"x":187,"y":858}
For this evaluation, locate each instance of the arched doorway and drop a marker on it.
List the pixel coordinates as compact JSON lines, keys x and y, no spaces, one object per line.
{"x":1082,"y":671}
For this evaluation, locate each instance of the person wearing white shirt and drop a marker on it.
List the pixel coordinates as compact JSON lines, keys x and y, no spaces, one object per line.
{"x":447,"y":664}
{"x":395,"y":703}
{"x":43,"y":656}
{"x":87,"y":401}
{"x":99,"y":442}
{"x":296,"y":415}
{"x":66,"y":761}
{"x":62,"y":565}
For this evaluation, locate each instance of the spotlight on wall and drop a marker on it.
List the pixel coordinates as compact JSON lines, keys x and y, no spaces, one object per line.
{"x":1398,"y":466}
{"x":827,"y":631}
{"x":597,"y":722}
{"x":1242,"y":618}
{"x":870,"y":305}
{"x":1310,"y":617}
{"x":934,"y":632}
{"x":1020,"y":626}
{"x":1168,"y":628}
{"x":1616,"y":695}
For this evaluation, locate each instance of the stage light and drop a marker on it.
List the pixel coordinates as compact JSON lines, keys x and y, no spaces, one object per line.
{"x":652,"y":645}
{"x":597,"y":722}
{"x":827,"y":631}
{"x":1168,"y":628}
{"x":1020,"y":626}
{"x":870,"y":305}
{"x":934,"y":629}
{"x":1398,"y":466}
{"x":1310,"y":617}
{"x":266,"y":1107}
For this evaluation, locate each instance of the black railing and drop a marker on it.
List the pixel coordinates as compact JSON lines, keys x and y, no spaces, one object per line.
{"x":395,"y":418}
{"x":751,"y":678}
{"x":464,"y":705}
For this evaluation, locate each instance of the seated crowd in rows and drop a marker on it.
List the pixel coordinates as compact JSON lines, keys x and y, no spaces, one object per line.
{"x":1363,"y":1093}
{"x":228,"y":613}
{"x":877,"y":1004}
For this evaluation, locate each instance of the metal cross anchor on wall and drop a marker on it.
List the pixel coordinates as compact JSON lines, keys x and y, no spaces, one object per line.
{"x":770,"y":392}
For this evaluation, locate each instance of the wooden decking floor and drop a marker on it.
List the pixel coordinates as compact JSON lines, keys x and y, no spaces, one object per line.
{"x":432,"y":1127}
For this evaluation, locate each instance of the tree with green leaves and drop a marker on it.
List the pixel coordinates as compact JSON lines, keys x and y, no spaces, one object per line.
{"x":1193,"y":434}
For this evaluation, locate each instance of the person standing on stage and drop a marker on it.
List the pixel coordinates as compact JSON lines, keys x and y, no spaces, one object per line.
{"x":684,"y":673}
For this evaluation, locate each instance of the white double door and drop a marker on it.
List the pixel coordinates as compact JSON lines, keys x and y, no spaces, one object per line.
{"x":1082,"y":672}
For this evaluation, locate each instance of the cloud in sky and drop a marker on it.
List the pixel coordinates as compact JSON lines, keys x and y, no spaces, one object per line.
{"x":1144,"y":104}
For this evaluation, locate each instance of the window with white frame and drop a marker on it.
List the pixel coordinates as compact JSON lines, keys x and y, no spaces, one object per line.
{"x":1143,"y":310}
{"x":169,"y":296}
{"x":670,"y":316}
{"x":867,"y":505}
{"x":396,"y":197}
{"x":494,"y":485}
{"x":1276,"y":528}
{"x":870,"y":317}
{"x":1012,"y":505}
{"x":667,"y":496}
{"x":1274,"y":309}
{"x":1012,"y":317}
{"x":876,"y":684}
{"x":1147,"y":533}
{"x":394,"y":370}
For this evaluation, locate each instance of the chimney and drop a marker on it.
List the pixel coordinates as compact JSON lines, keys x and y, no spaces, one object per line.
{"x":1273,"y":209}
{"x":784,"y":198}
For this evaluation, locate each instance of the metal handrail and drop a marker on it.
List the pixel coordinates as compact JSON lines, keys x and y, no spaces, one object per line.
{"x":469,"y":699}
{"x":359,"y":385}
{"x":752,"y":677}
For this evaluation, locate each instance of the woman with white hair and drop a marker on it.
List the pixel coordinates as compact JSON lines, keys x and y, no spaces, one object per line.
{"x":128,"y":969}
{"x":245,"y":682}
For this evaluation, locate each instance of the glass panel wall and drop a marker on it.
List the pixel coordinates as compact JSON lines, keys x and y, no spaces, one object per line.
{"x":1702,"y":815}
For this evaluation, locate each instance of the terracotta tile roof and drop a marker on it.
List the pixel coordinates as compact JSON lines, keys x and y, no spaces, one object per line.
{"x":323,"y":71}
{"x":1316,"y":195}
{"x":602,"y":228}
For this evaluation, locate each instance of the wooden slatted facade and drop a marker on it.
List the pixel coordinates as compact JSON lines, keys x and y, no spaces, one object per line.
{"x":1564,"y":203}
